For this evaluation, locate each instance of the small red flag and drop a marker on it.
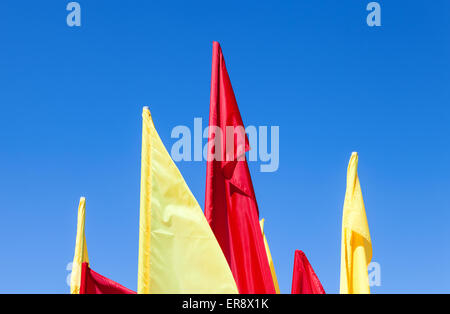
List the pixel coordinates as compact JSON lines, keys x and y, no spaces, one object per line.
{"x":94,"y":283}
{"x":305,"y":280}
{"x":230,"y":202}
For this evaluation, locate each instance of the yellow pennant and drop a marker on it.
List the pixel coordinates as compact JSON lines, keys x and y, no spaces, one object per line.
{"x":178,"y":252}
{"x":81,"y":254}
{"x":356,"y":247}
{"x":269,"y":256}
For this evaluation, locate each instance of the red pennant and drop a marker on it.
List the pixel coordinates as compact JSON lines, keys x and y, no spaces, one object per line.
{"x":305,"y":280}
{"x":231,"y":207}
{"x":94,"y":283}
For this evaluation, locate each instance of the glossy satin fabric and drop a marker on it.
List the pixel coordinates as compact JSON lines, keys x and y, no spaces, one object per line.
{"x":94,"y":283}
{"x":178,"y":252}
{"x":230,"y":203}
{"x":356,"y":245}
{"x":81,"y":254}
{"x":304,"y":279}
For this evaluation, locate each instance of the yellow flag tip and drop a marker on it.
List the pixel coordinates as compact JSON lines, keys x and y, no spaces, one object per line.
{"x":146,"y":109}
{"x":355,"y":153}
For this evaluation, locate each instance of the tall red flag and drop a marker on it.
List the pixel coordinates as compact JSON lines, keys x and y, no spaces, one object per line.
{"x":94,"y":283}
{"x":305,"y":280}
{"x":231,"y":207}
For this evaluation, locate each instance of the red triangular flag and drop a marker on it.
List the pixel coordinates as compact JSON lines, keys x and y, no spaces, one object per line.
{"x":94,"y":283}
{"x":305,"y":280}
{"x":231,"y":207}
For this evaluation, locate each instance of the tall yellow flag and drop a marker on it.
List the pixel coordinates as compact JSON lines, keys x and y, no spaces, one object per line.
{"x":269,"y":257}
{"x":81,"y":254}
{"x":178,"y":252}
{"x":356,"y":247}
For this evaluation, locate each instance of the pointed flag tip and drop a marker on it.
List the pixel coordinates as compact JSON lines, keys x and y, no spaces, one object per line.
{"x":145,"y":109}
{"x":300,"y":252}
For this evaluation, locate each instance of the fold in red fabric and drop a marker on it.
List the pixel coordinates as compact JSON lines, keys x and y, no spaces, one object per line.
{"x":94,"y":283}
{"x":305,"y":280}
{"x":230,"y":203}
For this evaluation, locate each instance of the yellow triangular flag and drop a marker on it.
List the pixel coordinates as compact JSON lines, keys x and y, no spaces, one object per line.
{"x":269,"y":257}
{"x":356,"y":247}
{"x":178,"y":252}
{"x":81,"y":254}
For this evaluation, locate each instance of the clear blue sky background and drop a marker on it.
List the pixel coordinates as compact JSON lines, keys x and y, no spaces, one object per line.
{"x":70,"y":125}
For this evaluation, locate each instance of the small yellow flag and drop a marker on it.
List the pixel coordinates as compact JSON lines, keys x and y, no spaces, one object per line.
{"x":178,"y":252}
{"x":81,"y":254}
{"x":269,"y":257}
{"x":356,"y":248}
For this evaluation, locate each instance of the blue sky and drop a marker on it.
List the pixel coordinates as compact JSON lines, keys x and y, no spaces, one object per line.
{"x":70,"y":126}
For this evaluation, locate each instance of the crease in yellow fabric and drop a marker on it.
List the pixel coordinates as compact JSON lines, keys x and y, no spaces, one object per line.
{"x":178,"y":252}
{"x":81,"y":254}
{"x":269,"y":257}
{"x":356,"y":244}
